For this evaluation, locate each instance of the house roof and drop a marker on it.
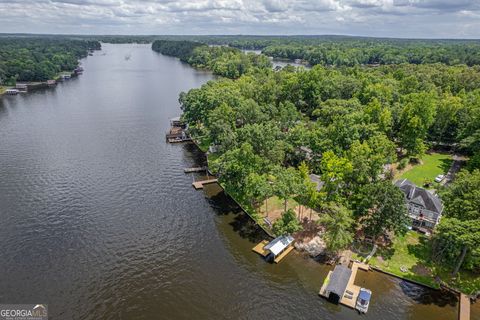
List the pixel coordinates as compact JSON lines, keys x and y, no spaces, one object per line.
{"x":278,"y":244}
{"x":316,"y":179}
{"x":420,"y":196}
{"x":339,"y":280}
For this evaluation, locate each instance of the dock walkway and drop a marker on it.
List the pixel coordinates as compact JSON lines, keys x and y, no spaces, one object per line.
{"x":464,"y":307}
{"x":195,"y":169}
{"x":199,"y":184}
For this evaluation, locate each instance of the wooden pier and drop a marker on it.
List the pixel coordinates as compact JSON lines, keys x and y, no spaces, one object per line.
{"x":199,"y":184}
{"x":464,"y":307}
{"x":195,"y":169}
{"x":260,"y":248}
{"x":283,"y":254}
{"x":179,"y":140}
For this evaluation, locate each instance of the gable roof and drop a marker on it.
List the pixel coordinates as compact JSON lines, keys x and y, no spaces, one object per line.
{"x":278,"y":244}
{"x":339,"y":280}
{"x":316,"y":179}
{"x":420,"y":196}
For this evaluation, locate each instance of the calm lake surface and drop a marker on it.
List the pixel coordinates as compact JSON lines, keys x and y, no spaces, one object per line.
{"x":99,"y":221}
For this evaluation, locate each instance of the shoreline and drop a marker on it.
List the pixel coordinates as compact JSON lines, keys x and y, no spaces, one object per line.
{"x":32,"y":86}
{"x":441,"y":286}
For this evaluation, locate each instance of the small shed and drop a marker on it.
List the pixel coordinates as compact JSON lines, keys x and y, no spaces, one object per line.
{"x":338,"y":283}
{"x":277,"y":245}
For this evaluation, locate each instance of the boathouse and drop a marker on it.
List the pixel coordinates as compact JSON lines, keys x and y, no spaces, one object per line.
{"x":177,"y":122}
{"x":275,"y":250}
{"x":277,"y":246}
{"x":337,"y":283}
{"x":21,"y":87}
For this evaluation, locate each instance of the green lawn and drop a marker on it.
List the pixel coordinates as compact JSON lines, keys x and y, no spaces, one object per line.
{"x":406,"y":258}
{"x":432,"y":165}
{"x":409,"y":258}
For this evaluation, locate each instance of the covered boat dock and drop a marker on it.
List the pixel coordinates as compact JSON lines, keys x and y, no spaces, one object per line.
{"x":275,"y":250}
{"x":339,"y":286}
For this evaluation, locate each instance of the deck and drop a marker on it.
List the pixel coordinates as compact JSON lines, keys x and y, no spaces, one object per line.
{"x":259,"y":248}
{"x":179,"y":140}
{"x":283,"y":254}
{"x":195,"y":169}
{"x":464,"y":307}
{"x":325,"y":284}
{"x":199,"y":184}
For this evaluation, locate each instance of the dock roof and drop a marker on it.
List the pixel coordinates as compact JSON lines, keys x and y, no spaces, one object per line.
{"x":339,"y":280}
{"x":278,"y":244}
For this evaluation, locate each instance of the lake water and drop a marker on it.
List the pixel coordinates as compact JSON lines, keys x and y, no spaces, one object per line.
{"x":99,"y":221}
{"x":279,"y":62}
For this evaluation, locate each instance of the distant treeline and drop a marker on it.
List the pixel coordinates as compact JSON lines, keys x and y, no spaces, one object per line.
{"x":350,"y":51}
{"x":225,"y":61}
{"x":40,"y":58}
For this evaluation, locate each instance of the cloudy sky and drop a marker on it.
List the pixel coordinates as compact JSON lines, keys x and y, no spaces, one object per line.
{"x":392,"y":18}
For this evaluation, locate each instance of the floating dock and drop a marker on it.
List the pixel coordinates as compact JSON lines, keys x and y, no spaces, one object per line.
{"x":179,"y":140}
{"x":195,"y":169}
{"x":464,"y":307}
{"x":199,"y":184}
{"x":260,"y":248}
{"x":350,"y":294}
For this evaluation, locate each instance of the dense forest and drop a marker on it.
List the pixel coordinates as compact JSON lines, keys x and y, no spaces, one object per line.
{"x":268,"y":130}
{"x":222,"y":60}
{"x":350,"y":51}
{"x":40,"y":58}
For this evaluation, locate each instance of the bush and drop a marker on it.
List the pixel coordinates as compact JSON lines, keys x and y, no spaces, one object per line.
{"x":402,"y":164}
{"x":288,"y":224}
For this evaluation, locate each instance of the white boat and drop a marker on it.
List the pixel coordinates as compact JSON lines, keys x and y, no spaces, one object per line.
{"x":363,"y":300}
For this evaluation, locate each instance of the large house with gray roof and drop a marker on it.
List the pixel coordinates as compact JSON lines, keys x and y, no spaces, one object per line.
{"x":424,"y":207}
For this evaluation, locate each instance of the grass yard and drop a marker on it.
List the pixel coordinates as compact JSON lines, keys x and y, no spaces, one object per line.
{"x":432,"y":165}
{"x":407,"y":258}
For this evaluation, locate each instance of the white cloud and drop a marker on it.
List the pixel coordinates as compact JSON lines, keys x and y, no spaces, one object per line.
{"x":403,"y":18}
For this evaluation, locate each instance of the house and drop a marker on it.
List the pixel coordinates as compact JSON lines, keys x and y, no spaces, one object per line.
{"x":424,"y":207}
{"x":316,"y":179}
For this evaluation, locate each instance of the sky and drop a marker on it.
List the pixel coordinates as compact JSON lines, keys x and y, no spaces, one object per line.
{"x":380,"y":18}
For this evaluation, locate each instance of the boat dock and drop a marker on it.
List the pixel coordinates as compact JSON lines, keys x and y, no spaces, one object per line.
{"x":464,"y":307}
{"x":195,"y":169}
{"x":177,"y":132}
{"x":278,"y":247}
{"x":347,"y":292}
{"x":199,"y":184}
{"x":260,"y":248}
{"x":179,"y":139}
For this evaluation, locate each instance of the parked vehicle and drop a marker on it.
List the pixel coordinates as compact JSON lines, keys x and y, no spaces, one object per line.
{"x":439,"y":178}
